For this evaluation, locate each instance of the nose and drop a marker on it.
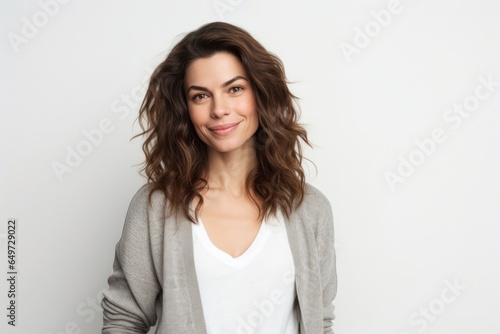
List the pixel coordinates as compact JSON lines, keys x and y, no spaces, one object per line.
{"x":220,"y":107}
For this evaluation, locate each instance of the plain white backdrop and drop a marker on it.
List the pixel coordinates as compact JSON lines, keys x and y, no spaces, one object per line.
{"x":400,"y":98}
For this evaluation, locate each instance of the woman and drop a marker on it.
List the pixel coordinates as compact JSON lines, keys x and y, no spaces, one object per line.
{"x":226,"y":236}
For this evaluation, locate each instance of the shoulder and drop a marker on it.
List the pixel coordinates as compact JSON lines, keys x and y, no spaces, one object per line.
{"x":142,"y":197}
{"x":144,"y":203}
{"x":145,"y":219}
{"x":315,"y":211}
{"x":315,"y":200}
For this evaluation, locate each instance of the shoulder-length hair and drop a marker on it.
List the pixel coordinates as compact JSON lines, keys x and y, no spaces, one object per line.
{"x":175,"y":156}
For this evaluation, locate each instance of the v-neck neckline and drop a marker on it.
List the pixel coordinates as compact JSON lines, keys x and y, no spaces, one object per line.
{"x":235,"y":262}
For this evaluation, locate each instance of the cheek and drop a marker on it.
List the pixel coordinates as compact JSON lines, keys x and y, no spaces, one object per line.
{"x":196,"y":117}
{"x":251,"y":110}
{"x":249,"y":107}
{"x":198,"y":120}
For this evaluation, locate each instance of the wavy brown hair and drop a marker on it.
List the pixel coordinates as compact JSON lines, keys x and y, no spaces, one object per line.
{"x":176,"y":158}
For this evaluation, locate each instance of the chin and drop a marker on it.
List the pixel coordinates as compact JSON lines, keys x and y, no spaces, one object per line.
{"x":228,"y":148}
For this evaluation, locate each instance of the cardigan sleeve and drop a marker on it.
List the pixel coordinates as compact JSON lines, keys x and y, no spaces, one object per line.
{"x":129,"y":304}
{"x":328,"y":264}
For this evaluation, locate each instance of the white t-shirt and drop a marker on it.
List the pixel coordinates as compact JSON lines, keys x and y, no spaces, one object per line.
{"x":253,"y":293}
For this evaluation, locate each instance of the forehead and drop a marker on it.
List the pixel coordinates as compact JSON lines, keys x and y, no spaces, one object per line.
{"x":213,"y":70}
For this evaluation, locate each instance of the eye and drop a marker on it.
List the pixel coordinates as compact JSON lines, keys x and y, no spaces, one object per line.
{"x":235,"y":89}
{"x":199,"y":97}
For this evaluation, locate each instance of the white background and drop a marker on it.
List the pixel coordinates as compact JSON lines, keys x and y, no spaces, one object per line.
{"x":396,"y":246}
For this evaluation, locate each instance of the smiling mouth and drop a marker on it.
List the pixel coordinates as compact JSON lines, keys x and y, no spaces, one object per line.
{"x":224,"y":129}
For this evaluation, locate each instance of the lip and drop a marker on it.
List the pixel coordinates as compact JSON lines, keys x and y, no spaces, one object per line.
{"x":224,"y":129}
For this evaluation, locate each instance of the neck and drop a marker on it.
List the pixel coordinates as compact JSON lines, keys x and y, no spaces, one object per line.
{"x":228,"y":171}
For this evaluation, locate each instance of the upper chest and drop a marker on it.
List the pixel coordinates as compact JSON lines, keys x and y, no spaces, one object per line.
{"x":231,"y":224}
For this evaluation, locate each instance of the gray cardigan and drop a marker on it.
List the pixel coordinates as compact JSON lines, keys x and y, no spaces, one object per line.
{"x":154,"y":278}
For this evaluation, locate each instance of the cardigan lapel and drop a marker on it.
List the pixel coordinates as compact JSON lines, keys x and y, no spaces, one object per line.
{"x":307,"y":282}
{"x":185,"y":246}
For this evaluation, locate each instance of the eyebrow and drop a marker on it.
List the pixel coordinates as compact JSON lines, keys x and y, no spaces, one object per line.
{"x":225,"y":84}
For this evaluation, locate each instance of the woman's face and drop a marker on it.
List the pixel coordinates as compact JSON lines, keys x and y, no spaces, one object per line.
{"x":221,"y":102}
